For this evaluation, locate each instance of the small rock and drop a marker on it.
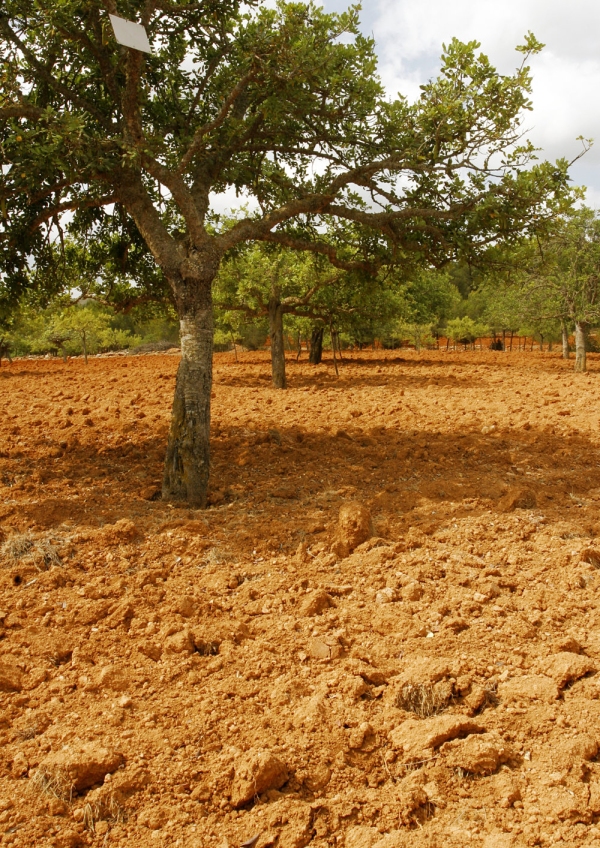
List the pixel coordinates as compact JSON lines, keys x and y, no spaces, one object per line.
{"x":80,"y":767}
{"x":19,"y":766}
{"x":153,"y":817}
{"x":416,"y":739}
{"x":506,"y":789}
{"x":359,"y":734}
{"x":179,"y":643}
{"x":355,"y":526}
{"x":56,"y":807}
{"x":476,"y":698}
{"x":568,"y":644}
{"x":311,"y":713}
{"x":385,"y":596}
{"x":320,"y":650}
{"x":581,"y":747}
{"x":255,"y":773}
{"x":565,"y":667}
{"x":316,"y":603}
{"x":532,"y":687}
{"x":11,"y":679}
{"x":150,"y":493}
{"x":318,"y":778}
{"x":478,"y":754}
{"x":517,"y":498}
{"x":413,"y":591}
{"x":186,"y":606}
{"x":498,"y":840}
{"x":362,"y":837}
{"x":123,"y":530}
{"x":150,"y":649}
{"x":113,"y":677}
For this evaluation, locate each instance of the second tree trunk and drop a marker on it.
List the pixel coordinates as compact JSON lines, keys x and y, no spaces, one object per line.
{"x":316,"y":346}
{"x":277,"y":349}
{"x":580,"y":346}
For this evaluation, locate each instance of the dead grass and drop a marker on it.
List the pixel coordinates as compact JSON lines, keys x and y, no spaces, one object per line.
{"x":17,"y":547}
{"x":424,"y":699}
{"x":105,"y":808}
{"x":54,"y":784}
{"x":25,"y":548}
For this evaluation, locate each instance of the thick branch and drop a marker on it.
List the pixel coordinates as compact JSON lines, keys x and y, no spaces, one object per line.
{"x":21,"y":111}
{"x":71,"y":96}
{"x":215,"y":123}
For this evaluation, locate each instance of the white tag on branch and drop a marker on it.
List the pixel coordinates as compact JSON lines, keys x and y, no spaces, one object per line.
{"x":130,"y":34}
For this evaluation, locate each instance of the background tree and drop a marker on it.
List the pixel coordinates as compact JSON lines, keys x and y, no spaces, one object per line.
{"x":283,"y":105}
{"x":560,"y":280}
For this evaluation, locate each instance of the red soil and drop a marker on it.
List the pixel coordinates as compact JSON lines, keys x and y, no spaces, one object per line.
{"x":233,"y":676}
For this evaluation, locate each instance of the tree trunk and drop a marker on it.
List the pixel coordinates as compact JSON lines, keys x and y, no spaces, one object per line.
{"x":566,"y":348}
{"x":316,"y":346}
{"x":187,"y":462}
{"x":580,"y":346}
{"x":83,"y":340}
{"x":332,"y":333}
{"x":511,"y":339}
{"x":277,"y":342}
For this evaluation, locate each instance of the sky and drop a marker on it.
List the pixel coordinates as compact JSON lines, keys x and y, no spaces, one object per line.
{"x":566,"y":76}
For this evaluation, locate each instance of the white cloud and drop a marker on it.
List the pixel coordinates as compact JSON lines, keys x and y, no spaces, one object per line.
{"x":566,"y":75}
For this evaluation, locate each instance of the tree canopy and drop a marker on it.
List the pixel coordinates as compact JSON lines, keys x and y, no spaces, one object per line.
{"x":282,"y":105}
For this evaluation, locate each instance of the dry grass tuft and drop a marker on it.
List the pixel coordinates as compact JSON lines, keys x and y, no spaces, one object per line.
{"x":17,"y":547}
{"x":24,"y":547}
{"x":105,"y":808}
{"x":29,"y":732}
{"x":45,"y":554}
{"x":54,"y":784}
{"x":424,"y":699}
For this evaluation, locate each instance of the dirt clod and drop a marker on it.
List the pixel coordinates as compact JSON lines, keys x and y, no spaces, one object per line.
{"x":255,"y":773}
{"x":355,"y":526}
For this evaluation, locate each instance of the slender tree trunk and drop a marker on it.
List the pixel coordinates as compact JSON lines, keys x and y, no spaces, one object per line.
{"x":187,"y":462}
{"x":299,"y":354}
{"x":83,"y":339}
{"x":566,"y":347}
{"x":332,"y":333}
{"x":511,"y":339}
{"x":541,"y":342}
{"x":277,"y":341}
{"x":580,"y":346}
{"x":316,"y":346}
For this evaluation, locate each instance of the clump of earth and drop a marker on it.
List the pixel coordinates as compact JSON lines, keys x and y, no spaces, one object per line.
{"x":383,"y":633}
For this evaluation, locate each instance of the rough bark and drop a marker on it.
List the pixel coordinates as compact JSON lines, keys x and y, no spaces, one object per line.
{"x":566,"y":348}
{"x":277,"y":341}
{"x":187,"y":462}
{"x":580,"y":347}
{"x":316,"y":346}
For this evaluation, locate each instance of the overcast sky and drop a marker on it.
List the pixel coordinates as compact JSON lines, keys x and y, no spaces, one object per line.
{"x":566,"y":76}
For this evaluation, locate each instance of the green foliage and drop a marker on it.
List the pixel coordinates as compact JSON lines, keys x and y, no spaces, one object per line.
{"x":465,"y":330}
{"x":281,"y":103}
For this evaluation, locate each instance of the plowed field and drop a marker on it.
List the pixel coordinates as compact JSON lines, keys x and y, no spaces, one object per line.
{"x":383,"y":633}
